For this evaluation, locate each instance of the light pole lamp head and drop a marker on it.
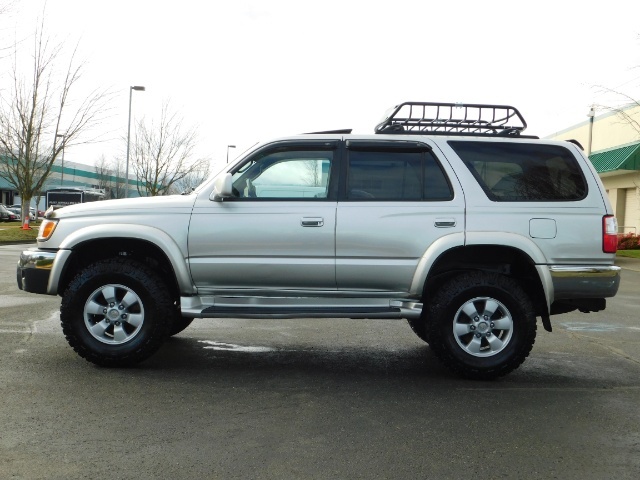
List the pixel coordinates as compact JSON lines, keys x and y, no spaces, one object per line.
{"x":139,"y":88}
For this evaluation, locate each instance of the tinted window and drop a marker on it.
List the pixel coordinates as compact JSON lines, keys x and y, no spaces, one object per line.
{"x":521,"y":172}
{"x":397,"y":175}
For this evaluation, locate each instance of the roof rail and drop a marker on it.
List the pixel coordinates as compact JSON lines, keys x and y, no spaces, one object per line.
{"x":435,"y":118}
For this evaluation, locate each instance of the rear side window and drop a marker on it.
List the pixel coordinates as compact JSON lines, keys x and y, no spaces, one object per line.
{"x":523,"y":172}
{"x":396,"y":176}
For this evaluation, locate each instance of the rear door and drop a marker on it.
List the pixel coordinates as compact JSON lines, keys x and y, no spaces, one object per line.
{"x":396,"y":199}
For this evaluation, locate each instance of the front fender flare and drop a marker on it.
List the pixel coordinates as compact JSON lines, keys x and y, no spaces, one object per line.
{"x":152,"y":235}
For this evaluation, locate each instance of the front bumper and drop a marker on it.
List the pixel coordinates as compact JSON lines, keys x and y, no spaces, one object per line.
{"x":34,"y":270}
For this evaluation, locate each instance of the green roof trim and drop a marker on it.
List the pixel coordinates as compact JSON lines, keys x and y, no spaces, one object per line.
{"x":622,"y":158}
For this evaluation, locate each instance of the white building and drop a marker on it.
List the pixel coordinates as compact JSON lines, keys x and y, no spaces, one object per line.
{"x":612,"y":142}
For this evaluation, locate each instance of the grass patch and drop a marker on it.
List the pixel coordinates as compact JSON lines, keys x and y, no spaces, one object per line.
{"x":628,"y":253}
{"x":11,"y":232}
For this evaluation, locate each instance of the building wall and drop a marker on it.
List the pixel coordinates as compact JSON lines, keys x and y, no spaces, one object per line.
{"x":611,"y":130}
{"x":74,"y":175}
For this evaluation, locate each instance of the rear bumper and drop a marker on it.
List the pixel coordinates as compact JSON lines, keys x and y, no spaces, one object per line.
{"x":34,"y":270}
{"x":572,"y":282}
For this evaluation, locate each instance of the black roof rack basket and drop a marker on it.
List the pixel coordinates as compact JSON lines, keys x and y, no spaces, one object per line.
{"x":432,"y":118}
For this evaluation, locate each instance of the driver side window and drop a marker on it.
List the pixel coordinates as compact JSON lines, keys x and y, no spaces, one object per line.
{"x":291,"y":174}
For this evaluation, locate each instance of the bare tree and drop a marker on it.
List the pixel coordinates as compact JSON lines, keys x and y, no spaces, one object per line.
{"x":622,"y":111}
{"x":162,"y":153}
{"x":104,"y":175}
{"x":38,"y":118}
{"x":194,"y":178}
{"x":110,"y":176}
{"x":313,"y":173}
{"x":118,"y":167}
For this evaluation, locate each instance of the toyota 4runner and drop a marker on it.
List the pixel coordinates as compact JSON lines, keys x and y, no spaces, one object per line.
{"x":448,"y":217}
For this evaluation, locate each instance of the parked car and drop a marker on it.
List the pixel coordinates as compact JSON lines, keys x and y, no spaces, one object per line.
{"x":15,"y":211}
{"x":7,"y":215}
{"x":33,"y":215}
{"x":447,"y":217}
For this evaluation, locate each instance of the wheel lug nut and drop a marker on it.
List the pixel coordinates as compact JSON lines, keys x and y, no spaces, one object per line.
{"x":475,"y":319}
{"x":124,"y":316}
{"x":111,"y":304}
{"x":107,"y":320}
{"x":120,"y":307}
{"x":104,"y":310}
{"x":492,"y":324}
{"x":486,"y":317}
{"x":488,"y":334}
{"x":472,"y":327}
{"x":478,"y":335}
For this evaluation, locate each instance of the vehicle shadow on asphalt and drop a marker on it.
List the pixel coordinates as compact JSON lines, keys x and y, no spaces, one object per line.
{"x":183,"y":353}
{"x":296,"y":361}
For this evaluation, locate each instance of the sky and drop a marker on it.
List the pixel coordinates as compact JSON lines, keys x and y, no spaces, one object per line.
{"x":248,"y":71}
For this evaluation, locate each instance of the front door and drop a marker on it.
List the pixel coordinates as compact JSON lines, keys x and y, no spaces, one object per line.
{"x":277,"y":232}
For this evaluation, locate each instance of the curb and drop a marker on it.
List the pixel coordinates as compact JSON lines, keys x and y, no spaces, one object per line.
{"x":627,"y":263}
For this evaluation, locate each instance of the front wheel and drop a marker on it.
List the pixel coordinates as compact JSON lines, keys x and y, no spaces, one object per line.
{"x":116,"y":312}
{"x":481,"y":325}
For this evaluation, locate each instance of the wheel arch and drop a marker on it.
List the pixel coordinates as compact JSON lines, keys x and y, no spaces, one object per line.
{"x":506,"y":258}
{"x":148,"y":244}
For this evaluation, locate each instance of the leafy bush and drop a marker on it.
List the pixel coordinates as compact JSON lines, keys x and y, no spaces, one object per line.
{"x":628,"y":241}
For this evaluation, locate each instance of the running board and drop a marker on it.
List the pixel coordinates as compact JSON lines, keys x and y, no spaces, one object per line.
{"x":258,"y":307}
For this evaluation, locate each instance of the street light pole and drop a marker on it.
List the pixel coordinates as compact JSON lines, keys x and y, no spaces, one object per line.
{"x":60,"y":135}
{"x":126,"y":174}
{"x":228,"y":147}
{"x":591,"y":114}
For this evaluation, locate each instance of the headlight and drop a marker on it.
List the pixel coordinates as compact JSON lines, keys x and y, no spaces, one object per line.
{"x":46,"y":229}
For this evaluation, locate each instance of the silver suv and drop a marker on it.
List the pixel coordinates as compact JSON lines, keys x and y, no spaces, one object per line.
{"x":447,"y":217}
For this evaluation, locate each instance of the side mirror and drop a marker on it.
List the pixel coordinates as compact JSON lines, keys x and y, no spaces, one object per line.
{"x":222,"y":187}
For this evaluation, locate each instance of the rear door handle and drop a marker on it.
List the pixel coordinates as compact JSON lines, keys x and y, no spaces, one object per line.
{"x":312,"y":221}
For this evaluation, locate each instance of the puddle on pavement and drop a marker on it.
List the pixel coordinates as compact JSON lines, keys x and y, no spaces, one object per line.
{"x":230,"y":347}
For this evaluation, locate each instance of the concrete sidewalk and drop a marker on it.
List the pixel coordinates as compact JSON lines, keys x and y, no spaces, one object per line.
{"x":628,"y":263}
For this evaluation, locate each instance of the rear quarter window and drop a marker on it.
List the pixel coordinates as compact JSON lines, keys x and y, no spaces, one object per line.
{"x":523,"y":172}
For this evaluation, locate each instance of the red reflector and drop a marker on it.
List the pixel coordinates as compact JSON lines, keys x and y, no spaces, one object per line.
{"x":609,"y":234}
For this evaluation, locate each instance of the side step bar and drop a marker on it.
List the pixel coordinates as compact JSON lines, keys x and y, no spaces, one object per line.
{"x":230,"y":307}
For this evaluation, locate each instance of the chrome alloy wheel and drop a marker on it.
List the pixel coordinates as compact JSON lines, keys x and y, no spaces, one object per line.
{"x":483,"y":327}
{"x":113,"y":314}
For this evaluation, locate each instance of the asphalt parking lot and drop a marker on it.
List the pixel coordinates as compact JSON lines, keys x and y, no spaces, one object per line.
{"x":317,"y":399}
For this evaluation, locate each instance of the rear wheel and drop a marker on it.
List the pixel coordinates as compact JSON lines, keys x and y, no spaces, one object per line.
{"x":179,"y":324}
{"x":481,"y":325}
{"x":116,"y":312}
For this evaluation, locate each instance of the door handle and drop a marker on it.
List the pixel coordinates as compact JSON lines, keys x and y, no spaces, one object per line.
{"x":312,"y":222}
{"x":445,"y":222}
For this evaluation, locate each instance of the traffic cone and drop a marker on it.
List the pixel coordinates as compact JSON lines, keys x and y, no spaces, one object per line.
{"x":25,"y":225}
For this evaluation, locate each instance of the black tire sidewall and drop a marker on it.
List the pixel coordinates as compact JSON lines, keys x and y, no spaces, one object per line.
{"x":453,"y":296}
{"x":153,"y":295}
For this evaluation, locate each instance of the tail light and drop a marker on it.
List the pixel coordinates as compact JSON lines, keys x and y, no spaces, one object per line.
{"x":609,"y":234}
